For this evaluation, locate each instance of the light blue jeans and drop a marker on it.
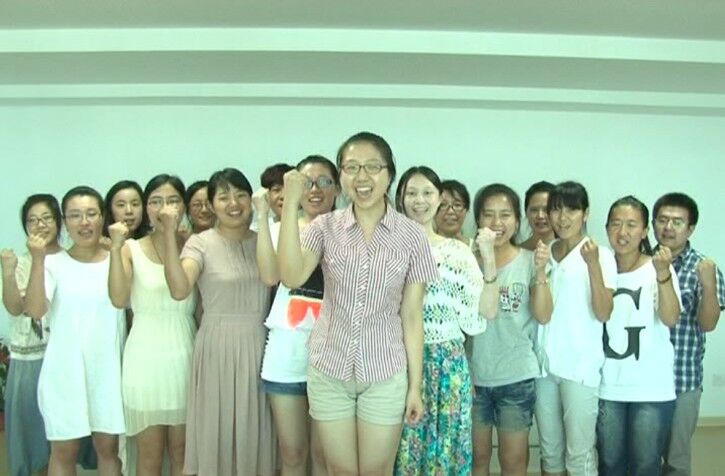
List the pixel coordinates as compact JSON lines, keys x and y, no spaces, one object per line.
{"x":631,"y":437}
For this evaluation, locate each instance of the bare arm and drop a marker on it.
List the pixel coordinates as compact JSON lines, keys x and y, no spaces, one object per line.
{"x":266,"y":256}
{"x":181,"y":275}
{"x":488,"y":302}
{"x":120,"y":273}
{"x":708,"y":312}
{"x":542,"y":304}
{"x":668,"y":305}
{"x":36,"y":303}
{"x":12,"y":299}
{"x":411,"y":313}
{"x":295,"y":264}
{"x":602,"y":297}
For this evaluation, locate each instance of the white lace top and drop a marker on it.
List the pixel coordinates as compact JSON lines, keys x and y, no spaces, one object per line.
{"x":451,"y":301}
{"x":28,"y":337}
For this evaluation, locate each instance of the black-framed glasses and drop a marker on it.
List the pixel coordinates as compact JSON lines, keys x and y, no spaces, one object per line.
{"x":371,"y":168}
{"x":37,"y":220}
{"x":322,"y":183}
{"x":457,"y":207}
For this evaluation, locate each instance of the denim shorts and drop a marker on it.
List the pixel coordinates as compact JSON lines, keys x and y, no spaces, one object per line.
{"x":282,"y":388}
{"x":507,"y":407}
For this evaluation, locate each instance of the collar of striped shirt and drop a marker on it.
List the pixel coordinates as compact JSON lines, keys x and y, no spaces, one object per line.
{"x":388,"y":220}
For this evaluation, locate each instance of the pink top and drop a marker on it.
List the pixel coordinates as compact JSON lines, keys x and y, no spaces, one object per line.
{"x":359,"y":334}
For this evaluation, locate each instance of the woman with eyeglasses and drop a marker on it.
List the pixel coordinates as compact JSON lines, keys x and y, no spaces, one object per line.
{"x":229,"y":428}
{"x":157,"y":356}
{"x":456,"y":304}
{"x":290,"y":321}
{"x":451,"y":215}
{"x":582,"y":279}
{"x":198,"y":208}
{"x":637,"y":391}
{"x":366,"y":349}
{"x":79,"y":390}
{"x":27,"y":446}
{"x":535,"y":200}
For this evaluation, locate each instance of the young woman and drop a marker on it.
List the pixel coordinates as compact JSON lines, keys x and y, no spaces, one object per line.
{"x":375,"y":262}
{"x":79,"y":390}
{"x":451,"y":215}
{"x":455,"y":305}
{"x":503,"y":361}
{"x":28,"y":449}
{"x":229,"y":424}
{"x":637,"y":392}
{"x":535,"y":200}
{"x":198,"y":207}
{"x":157,"y":356}
{"x":124,"y":203}
{"x":293,"y":313}
{"x":582,"y":280}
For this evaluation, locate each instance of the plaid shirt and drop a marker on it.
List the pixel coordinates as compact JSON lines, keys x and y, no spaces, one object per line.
{"x":687,"y":337}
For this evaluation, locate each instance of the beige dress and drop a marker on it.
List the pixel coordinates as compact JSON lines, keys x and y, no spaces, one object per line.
{"x":229,"y":428}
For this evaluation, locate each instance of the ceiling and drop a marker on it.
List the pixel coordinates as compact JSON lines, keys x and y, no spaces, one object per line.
{"x":666,"y":56}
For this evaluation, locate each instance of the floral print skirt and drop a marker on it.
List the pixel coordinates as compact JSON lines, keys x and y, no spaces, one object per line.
{"x":440,"y":444}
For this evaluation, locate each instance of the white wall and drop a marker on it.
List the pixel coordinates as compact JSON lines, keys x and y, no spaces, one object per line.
{"x":47,"y":148}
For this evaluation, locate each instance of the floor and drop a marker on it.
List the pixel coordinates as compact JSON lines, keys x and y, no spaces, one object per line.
{"x":708,"y":448}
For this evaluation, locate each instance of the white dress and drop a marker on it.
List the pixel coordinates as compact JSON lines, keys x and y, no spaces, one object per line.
{"x":79,"y":390}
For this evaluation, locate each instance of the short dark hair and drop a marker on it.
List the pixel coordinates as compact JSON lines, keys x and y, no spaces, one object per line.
{"x":48,"y":200}
{"x":82,"y":191}
{"x":143,"y":227}
{"x":491,"y":191}
{"x":568,"y":194}
{"x":678,"y":199}
{"x":632,"y":201}
{"x":382,"y":146}
{"x":455,"y":187}
{"x":274,"y":175}
{"x":192,"y":189}
{"x":538,"y":187}
{"x":225,"y":178}
{"x":426,"y":172}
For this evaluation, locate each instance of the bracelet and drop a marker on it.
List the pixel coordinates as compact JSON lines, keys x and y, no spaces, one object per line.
{"x":663,"y":281}
{"x":492,"y":280}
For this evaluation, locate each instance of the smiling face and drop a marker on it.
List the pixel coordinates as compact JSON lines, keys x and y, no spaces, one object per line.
{"x":40,"y":221}
{"x":166,"y":194}
{"x":421,"y":199}
{"x":451,"y":214}
{"x":626,"y":229}
{"x":200,"y":212}
{"x":127,"y":206}
{"x":672,"y":228}
{"x":568,"y":223}
{"x":321,"y":197}
{"x":536,"y":214}
{"x":498,"y":214}
{"x":276,"y":199}
{"x":83,"y":220}
{"x":232,"y":207}
{"x":366,"y":189}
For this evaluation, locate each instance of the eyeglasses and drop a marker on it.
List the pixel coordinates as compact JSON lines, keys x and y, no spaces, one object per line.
{"x":199,"y":204}
{"x":158,"y":202}
{"x":77,"y":216}
{"x":322,"y":183}
{"x":35,"y":220}
{"x":457,"y":207}
{"x":677,"y":223}
{"x":371,"y":168}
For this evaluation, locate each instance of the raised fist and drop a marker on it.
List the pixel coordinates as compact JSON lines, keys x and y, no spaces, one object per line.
{"x":9,"y":262}
{"x":295,"y":184}
{"x":485,"y":239}
{"x":541,"y":255}
{"x":260,"y":200}
{"x":118,"y":233}
{"x":590,"y":251}
{"x":662,"y":260}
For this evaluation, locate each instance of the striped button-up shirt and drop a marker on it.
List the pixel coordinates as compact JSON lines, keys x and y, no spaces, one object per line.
{"x":359,"y":334}
{"x":687,"y":336}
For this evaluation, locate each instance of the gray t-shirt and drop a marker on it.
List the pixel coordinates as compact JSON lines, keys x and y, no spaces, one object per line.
{"x":504,"y":354}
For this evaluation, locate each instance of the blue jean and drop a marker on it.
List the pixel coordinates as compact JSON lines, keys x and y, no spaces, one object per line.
{"x":631,"y":437}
